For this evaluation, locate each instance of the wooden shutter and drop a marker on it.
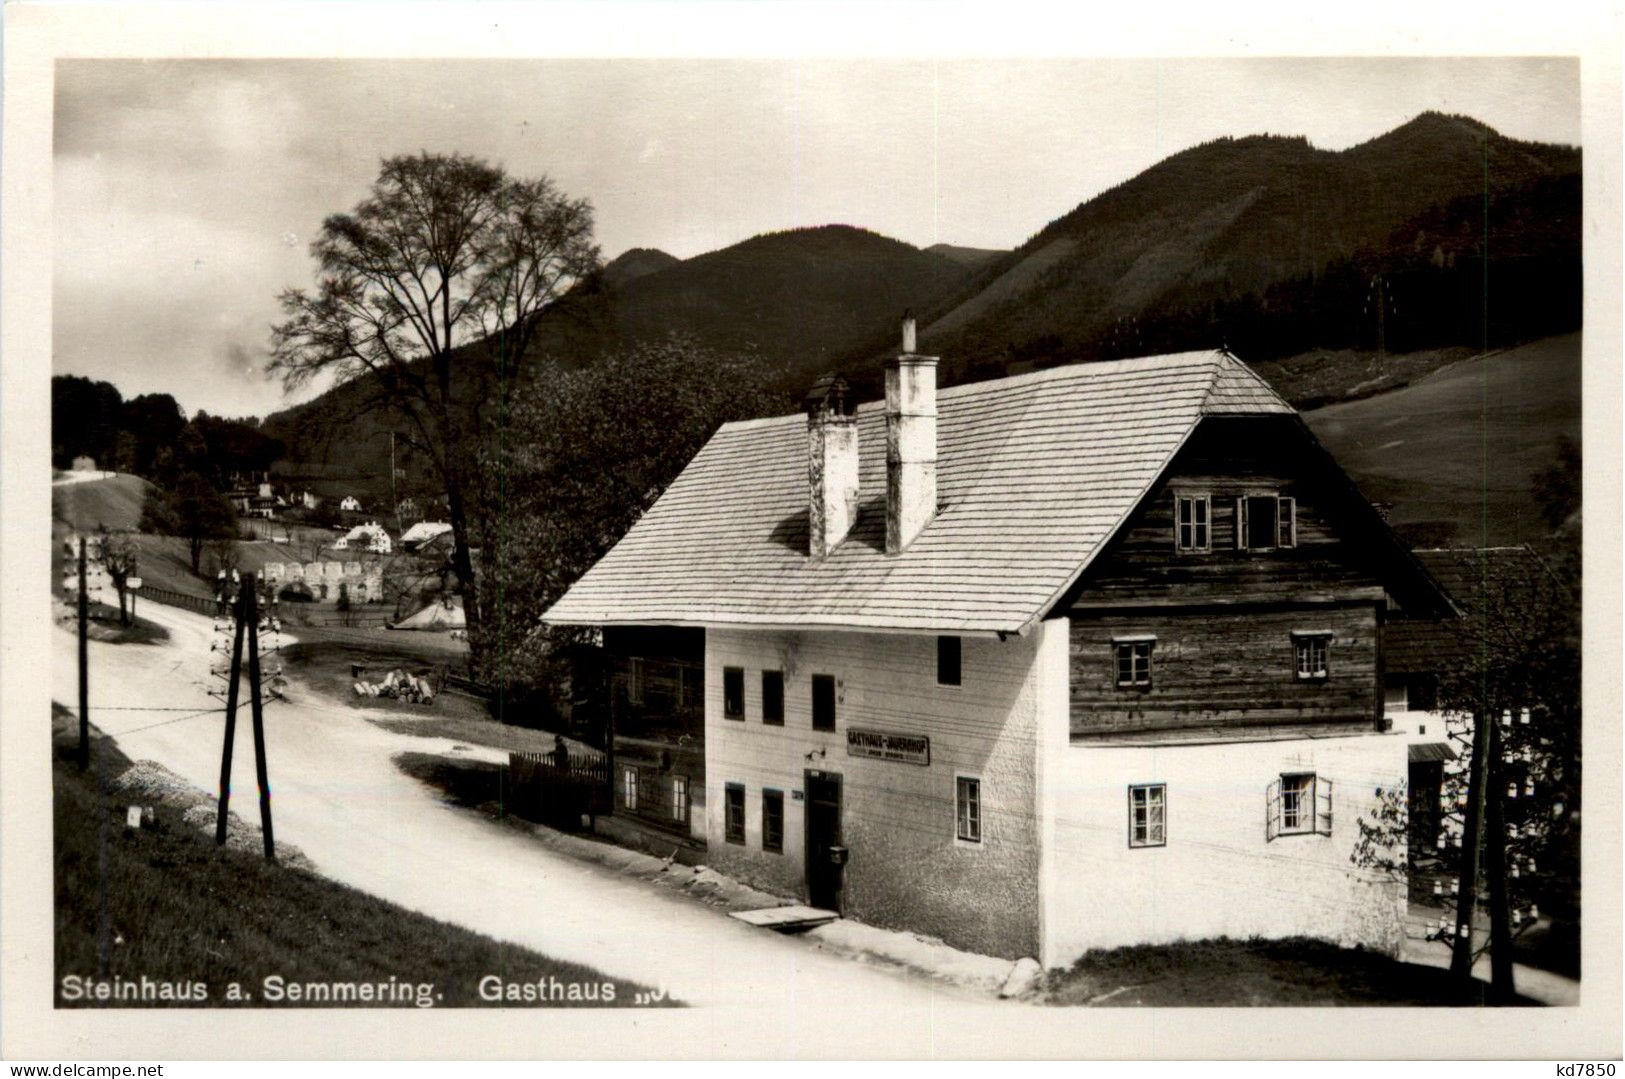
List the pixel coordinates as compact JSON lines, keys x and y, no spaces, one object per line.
{"x":1241,"y":524}
{"x":1272,"y":810}
{"x":1323,"y":806}
{"x":1287,"y":523}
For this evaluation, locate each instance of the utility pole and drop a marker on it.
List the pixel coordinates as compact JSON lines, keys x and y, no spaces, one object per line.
{"x":394,"y":495}
{"x":1495,"y":872}
{"x":245,"y":613}
{"x":231,"y":718}
{"x":257,"y":711}
{"x":1472,"y":839}
{"x":84,"y":664}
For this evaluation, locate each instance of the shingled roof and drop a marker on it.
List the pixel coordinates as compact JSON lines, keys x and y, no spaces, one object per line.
{"x":1034,"y":474}
{"x":1468,"y":575}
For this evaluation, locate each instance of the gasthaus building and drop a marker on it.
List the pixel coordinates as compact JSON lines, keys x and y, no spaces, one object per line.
{"x":1073,"y":659}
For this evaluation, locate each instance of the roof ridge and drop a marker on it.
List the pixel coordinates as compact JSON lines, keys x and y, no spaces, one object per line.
{"x":1228,"y":365}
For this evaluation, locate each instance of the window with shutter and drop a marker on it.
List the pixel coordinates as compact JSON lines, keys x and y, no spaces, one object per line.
{"x":1298,"y":803}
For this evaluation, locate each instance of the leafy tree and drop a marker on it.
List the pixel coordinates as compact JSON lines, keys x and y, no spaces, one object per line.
{"x":120,"y":558}
{"x":1517,"y":670}
{"x":196,"y":512}
{"x":1557,"y":487}
{"x":84,"y":419}
{"x":447,"y":251}
{"x":153,"y":421}
{"x":588,"y":452}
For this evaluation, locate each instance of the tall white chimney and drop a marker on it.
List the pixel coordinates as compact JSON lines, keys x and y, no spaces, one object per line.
{"x":832,"y":465}
{"x":911,"y":442}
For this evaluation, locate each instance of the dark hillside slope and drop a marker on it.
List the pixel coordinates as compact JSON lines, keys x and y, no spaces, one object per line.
{"x":635,"y":263}
{"x":1220,"y":222}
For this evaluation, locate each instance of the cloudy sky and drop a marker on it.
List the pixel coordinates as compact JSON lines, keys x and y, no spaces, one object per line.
{"x":186,"y":192}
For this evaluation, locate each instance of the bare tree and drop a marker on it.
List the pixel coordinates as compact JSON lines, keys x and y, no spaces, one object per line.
{"x":442,"y":268}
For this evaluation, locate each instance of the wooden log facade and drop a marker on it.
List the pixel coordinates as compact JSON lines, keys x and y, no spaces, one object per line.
{"x":1223,"y":622}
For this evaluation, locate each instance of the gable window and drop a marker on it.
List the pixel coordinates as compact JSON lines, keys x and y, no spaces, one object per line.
{"x":733,"y":693}
{"x":1298,"y":803}
{"x":1133,"y":660}
{"x":679,"y":799}
{"x":773,"y":821}
{"x":1313,"y":652}
{"x":1148,"y":815}
{"x":1192,"y":516}
{"x":823,"y":702}
{"x":773,"y":698}
{"x":968,"y":808}
{"x":629,"y":788}
{"x":948,"y":655}
{"x":733,"y":813}
{"x":1264,"y":522}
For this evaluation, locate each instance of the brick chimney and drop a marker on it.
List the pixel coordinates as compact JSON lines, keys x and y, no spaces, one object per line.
{"x":832,"y":465}
{"x":911,"y":442}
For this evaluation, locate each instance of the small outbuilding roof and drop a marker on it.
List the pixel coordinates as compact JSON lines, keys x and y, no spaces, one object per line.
{"x":1034,"y":474}
{"x":1467,"y":575}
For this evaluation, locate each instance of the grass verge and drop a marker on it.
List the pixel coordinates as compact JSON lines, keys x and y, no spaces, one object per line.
{"x":162,"y":906}
{"x":1296,"y":972}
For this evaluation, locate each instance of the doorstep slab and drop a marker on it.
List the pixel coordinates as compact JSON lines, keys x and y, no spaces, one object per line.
{"x":786,"y":918}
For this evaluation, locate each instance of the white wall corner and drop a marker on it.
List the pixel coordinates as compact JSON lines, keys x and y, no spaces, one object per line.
{"x":1052,"y":670}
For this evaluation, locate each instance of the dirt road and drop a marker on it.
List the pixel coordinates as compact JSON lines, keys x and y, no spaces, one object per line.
{"x":338,"y":796}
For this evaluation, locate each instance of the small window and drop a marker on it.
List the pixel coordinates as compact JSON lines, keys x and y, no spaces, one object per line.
{"x":733,"y":815}
{"x":1192,"y":519}
{"x":948,"y":661}
{"x":968,"y":808}
{"x":823,"y":702}
{"x":1148,"y":815}
{"x":679,"y":799}
{"x":773,"y":821}
{"x":634,"y":680}
{"x":1299,"y":803}
{"x":773,"y":698}
{"x":733,"y":693}
{"x":1313,"y":651}
{"x":1134,"y":662}
{"x":1394,"y":696}
{"x":629,"y":788}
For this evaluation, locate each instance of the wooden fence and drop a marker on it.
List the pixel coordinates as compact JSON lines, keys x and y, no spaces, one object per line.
{"x":178,"y":599}
{"x":543,"y":788}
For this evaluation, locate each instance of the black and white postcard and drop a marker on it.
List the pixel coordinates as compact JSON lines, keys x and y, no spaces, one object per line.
{"x":782,"y":532}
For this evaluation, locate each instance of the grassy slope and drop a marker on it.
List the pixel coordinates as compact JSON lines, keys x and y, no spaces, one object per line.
{"x":166,"y":904}
{"x":1460,"y":446}
{"x":1229,"y":973}
{"x":114,"y":502}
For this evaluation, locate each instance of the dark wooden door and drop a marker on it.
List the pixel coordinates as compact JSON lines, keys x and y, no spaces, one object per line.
{"x":823,"y":837}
